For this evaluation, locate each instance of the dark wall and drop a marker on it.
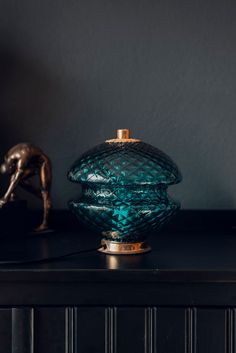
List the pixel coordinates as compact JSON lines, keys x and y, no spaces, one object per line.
{"x":71,"y":72}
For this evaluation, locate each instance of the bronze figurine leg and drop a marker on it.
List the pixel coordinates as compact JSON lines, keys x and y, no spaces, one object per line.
{"x":42,"y":193}
{"x":15,"y":179}
{"x":45,"y":180}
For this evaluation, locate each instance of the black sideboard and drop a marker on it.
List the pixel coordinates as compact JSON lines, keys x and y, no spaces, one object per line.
{"x":181,"y":297}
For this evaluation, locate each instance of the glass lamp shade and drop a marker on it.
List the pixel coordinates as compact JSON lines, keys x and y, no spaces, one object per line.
{"x":124,"y":192}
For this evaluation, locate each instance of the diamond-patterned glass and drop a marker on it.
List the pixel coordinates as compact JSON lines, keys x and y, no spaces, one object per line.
{"x":124,"y":189}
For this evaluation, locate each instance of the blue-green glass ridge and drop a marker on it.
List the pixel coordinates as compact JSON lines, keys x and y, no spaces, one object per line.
{"x":124,"y":212}
{"x":124,"y":223}
{"x":97,"y":194}
{"x":125,"y":164}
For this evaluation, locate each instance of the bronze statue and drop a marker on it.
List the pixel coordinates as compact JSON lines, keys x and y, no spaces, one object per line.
{"x":22,"y":162}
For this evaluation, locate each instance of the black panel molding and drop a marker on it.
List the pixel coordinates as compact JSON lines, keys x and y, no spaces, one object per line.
{"x":230,"y":335}
{"x":111,"y":330}
{"x":154,"y":329}
{"x":70,"y":330}
{"x":23,"y":330}
{"x":190,"y":330}
{"x":150,"y":330}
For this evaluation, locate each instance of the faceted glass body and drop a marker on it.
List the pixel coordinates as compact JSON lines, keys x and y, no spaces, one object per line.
{"x":124,"y":189}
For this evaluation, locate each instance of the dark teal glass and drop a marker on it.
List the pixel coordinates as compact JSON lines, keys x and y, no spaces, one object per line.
{"x":124,"y":189}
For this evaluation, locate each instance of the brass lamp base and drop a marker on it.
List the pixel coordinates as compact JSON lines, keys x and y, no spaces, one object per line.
{"x":114,"y":248}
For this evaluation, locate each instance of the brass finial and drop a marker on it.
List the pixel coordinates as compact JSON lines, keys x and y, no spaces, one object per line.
{"x":123,"y":135}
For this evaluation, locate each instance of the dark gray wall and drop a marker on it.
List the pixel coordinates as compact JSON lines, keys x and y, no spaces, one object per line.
{"x":71,"y":72}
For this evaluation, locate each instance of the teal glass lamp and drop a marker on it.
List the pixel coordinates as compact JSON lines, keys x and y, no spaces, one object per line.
{"x":124,"y":192}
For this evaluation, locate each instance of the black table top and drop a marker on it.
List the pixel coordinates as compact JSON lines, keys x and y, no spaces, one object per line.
{"x":175,"y":256}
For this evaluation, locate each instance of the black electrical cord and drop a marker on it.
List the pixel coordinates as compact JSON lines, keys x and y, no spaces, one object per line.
{"x":47,"y":259}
